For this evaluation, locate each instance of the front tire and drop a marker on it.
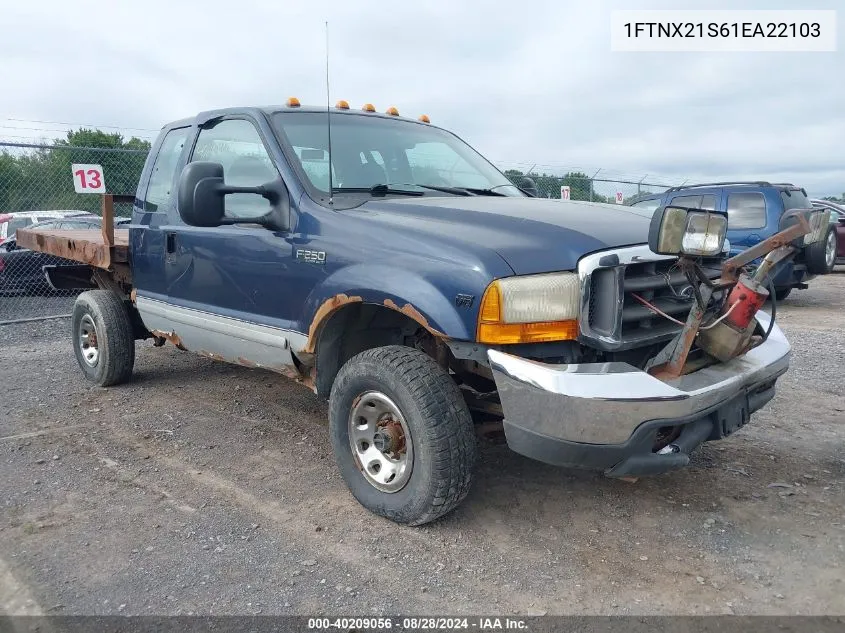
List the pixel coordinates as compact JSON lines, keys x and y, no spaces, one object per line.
{"x":402,"y":435}
{"x":103,"y":340}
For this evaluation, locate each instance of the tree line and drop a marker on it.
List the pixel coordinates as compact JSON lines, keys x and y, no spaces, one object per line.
{"x":40,"y":178}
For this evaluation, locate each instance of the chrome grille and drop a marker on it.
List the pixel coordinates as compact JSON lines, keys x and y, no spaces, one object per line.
{"x":615,"y":320}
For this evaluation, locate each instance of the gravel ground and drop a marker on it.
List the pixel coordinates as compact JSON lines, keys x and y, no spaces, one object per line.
{"x":17,"y":306}
{"x":208,"y":488}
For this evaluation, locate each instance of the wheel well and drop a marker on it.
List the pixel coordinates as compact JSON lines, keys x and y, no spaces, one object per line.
{"x":358,"y":327}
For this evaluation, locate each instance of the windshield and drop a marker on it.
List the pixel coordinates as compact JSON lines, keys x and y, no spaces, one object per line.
{"x":368,"y":151}
{"x":648,"y":205}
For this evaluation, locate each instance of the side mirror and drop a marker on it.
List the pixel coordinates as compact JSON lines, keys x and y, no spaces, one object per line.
{"x":528,"y":185}
{"x":200,"y":198}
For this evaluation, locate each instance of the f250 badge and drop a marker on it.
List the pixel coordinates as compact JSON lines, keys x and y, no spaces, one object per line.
{"x":311,"y":257}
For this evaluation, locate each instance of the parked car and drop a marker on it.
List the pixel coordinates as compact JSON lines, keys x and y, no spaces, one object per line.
{"x":404,"y":278}
{"x":837,"y":218}
{"x":755,"y":210}
{"x":22,"y":270}
{"x":11,"y":222}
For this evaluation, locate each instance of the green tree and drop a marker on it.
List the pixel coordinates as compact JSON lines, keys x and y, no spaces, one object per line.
{"x":41,"y":179}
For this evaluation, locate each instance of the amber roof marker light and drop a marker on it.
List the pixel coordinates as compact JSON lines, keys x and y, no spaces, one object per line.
{"x":342,"y":105}
{"x":392,"y":111}
{"x":368,"y":107}
{"x":292,"y":102}
{"x":424,"y":118}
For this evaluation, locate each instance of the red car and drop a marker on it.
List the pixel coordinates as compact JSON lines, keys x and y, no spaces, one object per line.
{"x":837,"y":215}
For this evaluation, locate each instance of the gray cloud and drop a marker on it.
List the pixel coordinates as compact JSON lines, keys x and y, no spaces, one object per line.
{"x":531,"y":82}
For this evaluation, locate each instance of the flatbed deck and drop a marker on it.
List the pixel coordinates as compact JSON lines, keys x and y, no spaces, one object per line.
{"x":84,"y":246}
{"x":101,"y":249}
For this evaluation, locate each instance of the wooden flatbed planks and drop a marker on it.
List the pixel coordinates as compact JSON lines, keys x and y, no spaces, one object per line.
{"x":85,"y":246}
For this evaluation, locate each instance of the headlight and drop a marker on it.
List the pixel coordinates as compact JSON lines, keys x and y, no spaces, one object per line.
{"x":530,"y":309}
{"x":819,"y":221}
{"x":679,"y":231}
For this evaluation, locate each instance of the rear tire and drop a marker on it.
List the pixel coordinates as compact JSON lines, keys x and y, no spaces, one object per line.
{"x":423,"y":433}
{"x":782,"y":293}
{"x":103,"y":340}
{"x":821,"y":256}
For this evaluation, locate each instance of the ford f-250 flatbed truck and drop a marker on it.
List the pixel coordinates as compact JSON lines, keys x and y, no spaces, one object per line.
{"x":399,"y":274}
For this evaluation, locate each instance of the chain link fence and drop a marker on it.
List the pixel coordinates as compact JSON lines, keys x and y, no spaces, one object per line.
{"x":576,"y":185}
{"x":37,"y":185}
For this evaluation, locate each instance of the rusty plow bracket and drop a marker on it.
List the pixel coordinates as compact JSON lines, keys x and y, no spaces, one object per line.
{"x":671,"y":361}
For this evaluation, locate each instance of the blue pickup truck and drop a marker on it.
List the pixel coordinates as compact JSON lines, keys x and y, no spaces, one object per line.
{"x":755,"y":211}
{"x":386,"y":265}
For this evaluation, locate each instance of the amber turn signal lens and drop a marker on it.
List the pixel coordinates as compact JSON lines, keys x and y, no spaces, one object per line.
{"x":292,"y":102}
{"x":508,"y":333}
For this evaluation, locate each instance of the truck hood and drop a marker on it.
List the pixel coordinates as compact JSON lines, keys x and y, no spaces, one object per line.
{"x":533,"y":235}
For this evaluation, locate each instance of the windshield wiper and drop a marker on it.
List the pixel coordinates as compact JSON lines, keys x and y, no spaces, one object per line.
{"x":483,"y":192}
{"x":458,"y":191}
{"x":377,"y":190}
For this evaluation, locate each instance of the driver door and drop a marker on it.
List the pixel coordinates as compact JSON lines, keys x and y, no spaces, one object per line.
{"x":226,"y":296}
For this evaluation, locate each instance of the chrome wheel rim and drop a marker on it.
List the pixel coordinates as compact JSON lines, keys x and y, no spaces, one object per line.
{"x":830,"y":249}
{"x":87,"y":341}
{"x":381,"y":442}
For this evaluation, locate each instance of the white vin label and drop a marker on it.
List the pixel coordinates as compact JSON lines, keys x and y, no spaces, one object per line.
{"x":723,"y":31}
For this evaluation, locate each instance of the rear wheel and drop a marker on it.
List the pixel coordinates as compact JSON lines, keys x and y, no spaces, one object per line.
{"x":402,"y":435}
{"x":782,"y":293}
{"x":821,"y":256}
{"x":103,"y":340}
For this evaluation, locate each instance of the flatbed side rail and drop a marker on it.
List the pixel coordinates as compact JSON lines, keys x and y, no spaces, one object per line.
{"x":101,"y":250}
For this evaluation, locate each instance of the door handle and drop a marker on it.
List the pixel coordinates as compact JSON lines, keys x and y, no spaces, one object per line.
{"x":170,"y":243}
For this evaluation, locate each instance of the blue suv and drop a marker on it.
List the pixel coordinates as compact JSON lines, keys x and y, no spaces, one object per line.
{"x":754,"y":213}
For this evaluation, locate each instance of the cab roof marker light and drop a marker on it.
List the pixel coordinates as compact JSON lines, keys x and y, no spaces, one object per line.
{"x":368,"y":107}
{"x":392,"y":111}
{"x":292,"y":102}
{"x":424,"y":118}
{"x":343,"y":104}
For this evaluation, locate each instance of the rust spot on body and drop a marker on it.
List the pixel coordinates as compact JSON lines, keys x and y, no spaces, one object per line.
{"x":170,"y":336}
{"x":416,"y":315}
{"x":325,"y":309}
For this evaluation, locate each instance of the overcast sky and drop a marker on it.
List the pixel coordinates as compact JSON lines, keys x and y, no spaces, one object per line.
{"x":524,"y":82}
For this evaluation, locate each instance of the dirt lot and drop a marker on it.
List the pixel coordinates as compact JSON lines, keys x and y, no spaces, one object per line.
{"x":207,"y":488}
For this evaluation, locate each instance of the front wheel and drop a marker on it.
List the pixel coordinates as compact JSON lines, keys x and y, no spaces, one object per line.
{"x":402,"y":435}
{"x":103,"y":339}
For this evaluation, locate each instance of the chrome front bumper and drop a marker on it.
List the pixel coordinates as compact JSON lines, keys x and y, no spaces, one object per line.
{"x":604,"y":403}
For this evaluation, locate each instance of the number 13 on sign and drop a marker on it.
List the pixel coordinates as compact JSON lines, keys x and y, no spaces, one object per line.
{"x":88,"y":178}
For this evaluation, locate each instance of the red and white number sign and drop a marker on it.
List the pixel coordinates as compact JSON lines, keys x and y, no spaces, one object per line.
{"x":564,"y":192}
{"x":620,"y":199}
{"x":88,"y":178}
